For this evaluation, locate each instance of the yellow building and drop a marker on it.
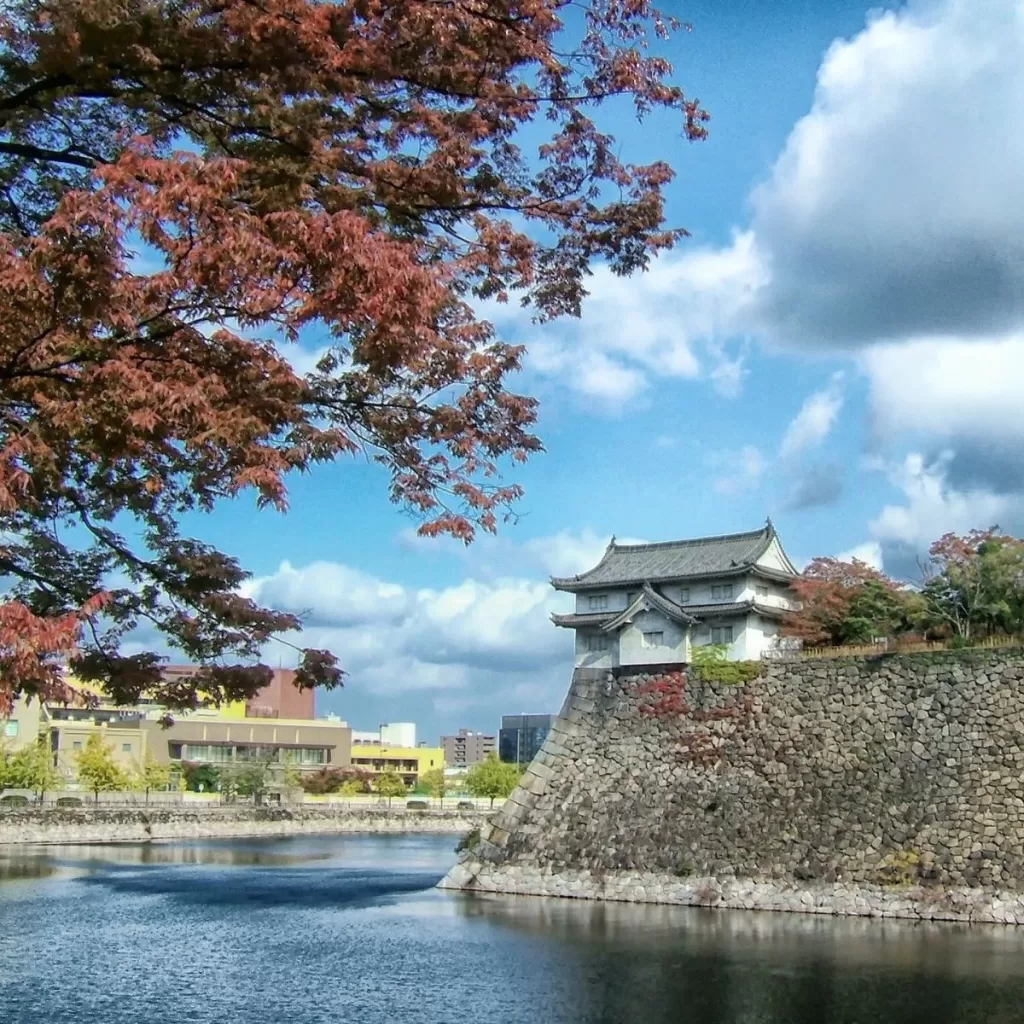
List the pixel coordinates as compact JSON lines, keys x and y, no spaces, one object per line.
{"x":409,"y":762}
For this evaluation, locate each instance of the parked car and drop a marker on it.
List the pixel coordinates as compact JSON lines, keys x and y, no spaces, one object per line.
{"x":466,"y":805}
{"x":416,"y":805}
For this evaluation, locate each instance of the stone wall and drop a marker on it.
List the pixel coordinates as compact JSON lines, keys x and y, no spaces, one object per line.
{"x":889,"y":785}
{"x":117,"y":825}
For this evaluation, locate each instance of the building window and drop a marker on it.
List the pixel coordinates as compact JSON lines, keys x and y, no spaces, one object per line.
{"x":722,"y":593}
{"x":684,"y":595}
{"x":599,"y":603}
{"x":654,"y":639}
{"x":721,"y":634}
{"x":126,"y":748}
{"x":305,"y":755}
{"x":11,"y":728}
{"x":631,"y":597}
{"x":761,"y":591}
{"x":597,"y":643}
{"x":76,"y":744}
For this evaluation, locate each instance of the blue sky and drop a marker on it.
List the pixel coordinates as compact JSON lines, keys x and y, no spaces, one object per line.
{"x":840,"y":345}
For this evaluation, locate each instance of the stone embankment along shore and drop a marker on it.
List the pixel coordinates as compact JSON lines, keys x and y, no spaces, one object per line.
{"x":888,"y":786}
{"x":131,"y":825}
{"x":967,"y":906}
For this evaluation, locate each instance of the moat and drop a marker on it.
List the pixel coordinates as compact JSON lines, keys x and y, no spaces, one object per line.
{"x":350,"y":929}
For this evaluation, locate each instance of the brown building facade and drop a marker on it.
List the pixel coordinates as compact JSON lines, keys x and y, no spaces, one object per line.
{"x":465,"y":748}
{"x":281,"y":698}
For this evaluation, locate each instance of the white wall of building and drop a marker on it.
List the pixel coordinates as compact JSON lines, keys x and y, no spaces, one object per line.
{"x":396,"y":734}
{"x":586,"y":658}
{"x":634,"y":649}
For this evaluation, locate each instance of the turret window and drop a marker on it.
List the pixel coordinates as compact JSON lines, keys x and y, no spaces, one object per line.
{"x":599,"y":603}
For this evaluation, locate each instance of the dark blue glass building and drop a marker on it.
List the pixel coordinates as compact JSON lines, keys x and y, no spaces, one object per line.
{"x":521,"y":736}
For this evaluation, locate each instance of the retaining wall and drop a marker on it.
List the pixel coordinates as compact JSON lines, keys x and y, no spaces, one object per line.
{"x":891,"y":785}
{"x":114,"y":825}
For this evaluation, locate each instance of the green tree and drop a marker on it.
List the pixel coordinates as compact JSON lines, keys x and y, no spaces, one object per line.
{"x":151,"y":775}
{"x":493,"y":778}
{"x":97,"y":768}
{"x":200,"y":778}
{"x":435,"y":782}
{"x":974,"y":583}
{"x":31,"y":767}
{"x":875,"y":609}
{"x":391,"y":784}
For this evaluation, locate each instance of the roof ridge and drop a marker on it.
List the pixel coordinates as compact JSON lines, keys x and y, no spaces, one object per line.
{"x":746,"y":534}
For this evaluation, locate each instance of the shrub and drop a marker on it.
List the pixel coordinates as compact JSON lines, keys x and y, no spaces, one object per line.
{"x":470,"y":841}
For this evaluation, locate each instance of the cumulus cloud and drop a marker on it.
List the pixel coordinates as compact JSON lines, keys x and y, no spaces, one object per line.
{"x":870,"y":552}
{"x":932,"y":507}
{"x":812,"y":423}
{"x":331,"y":595}
{"x":896,"y":209}
{"x":391,"y":638}
{"x":964,"y":396}
{"x":675,"y":321}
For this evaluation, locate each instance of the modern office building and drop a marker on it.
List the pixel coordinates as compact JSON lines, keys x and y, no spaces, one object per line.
{"x":466,"y":748}
{"x":521,"y":736}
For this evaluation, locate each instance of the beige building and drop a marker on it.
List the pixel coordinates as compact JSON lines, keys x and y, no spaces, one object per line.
{"x":208,"y":736}
{"x":22,"y":725}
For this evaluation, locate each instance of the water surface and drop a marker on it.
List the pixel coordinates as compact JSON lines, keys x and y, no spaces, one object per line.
{"x":350,"y":929}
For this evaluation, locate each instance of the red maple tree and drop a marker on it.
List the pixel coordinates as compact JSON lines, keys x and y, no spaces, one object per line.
{"x":839,"y":600}
{"x":188,"y":185}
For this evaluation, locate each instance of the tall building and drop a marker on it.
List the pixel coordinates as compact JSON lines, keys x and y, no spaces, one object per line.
{"x":465,"y":748}
{"x":280,"y":698}
{"x":521,"y":736}
{"x":652,"y":604}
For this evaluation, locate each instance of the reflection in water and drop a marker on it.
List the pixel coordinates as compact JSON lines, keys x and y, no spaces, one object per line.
{"x":774,"y":968}
{"x":350,"y":929}
{"x":15,"y":868}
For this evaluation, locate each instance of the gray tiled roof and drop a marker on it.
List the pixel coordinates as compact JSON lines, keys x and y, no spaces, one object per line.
{"x":673,"y":560}
{"x":710,"y":611}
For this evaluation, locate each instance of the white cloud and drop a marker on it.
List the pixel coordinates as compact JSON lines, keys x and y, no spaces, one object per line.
{"x":967,"y":395}
{"x":673,"y":321}
{"x":896,"y":209}
{"x":813,"y":422}
{"x":870,"y":553}
{"x":331,"y":594}
{"x":474,"y":635}
{"x":567,"y":553}
{"x":747,"y":468}
{"x":931,"y":507}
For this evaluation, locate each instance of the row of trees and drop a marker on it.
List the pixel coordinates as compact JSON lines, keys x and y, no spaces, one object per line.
{"x":491,"y":779}
{"x":99,"y":771}
{"x":96,"y":769}
{"x":970,"y":586}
